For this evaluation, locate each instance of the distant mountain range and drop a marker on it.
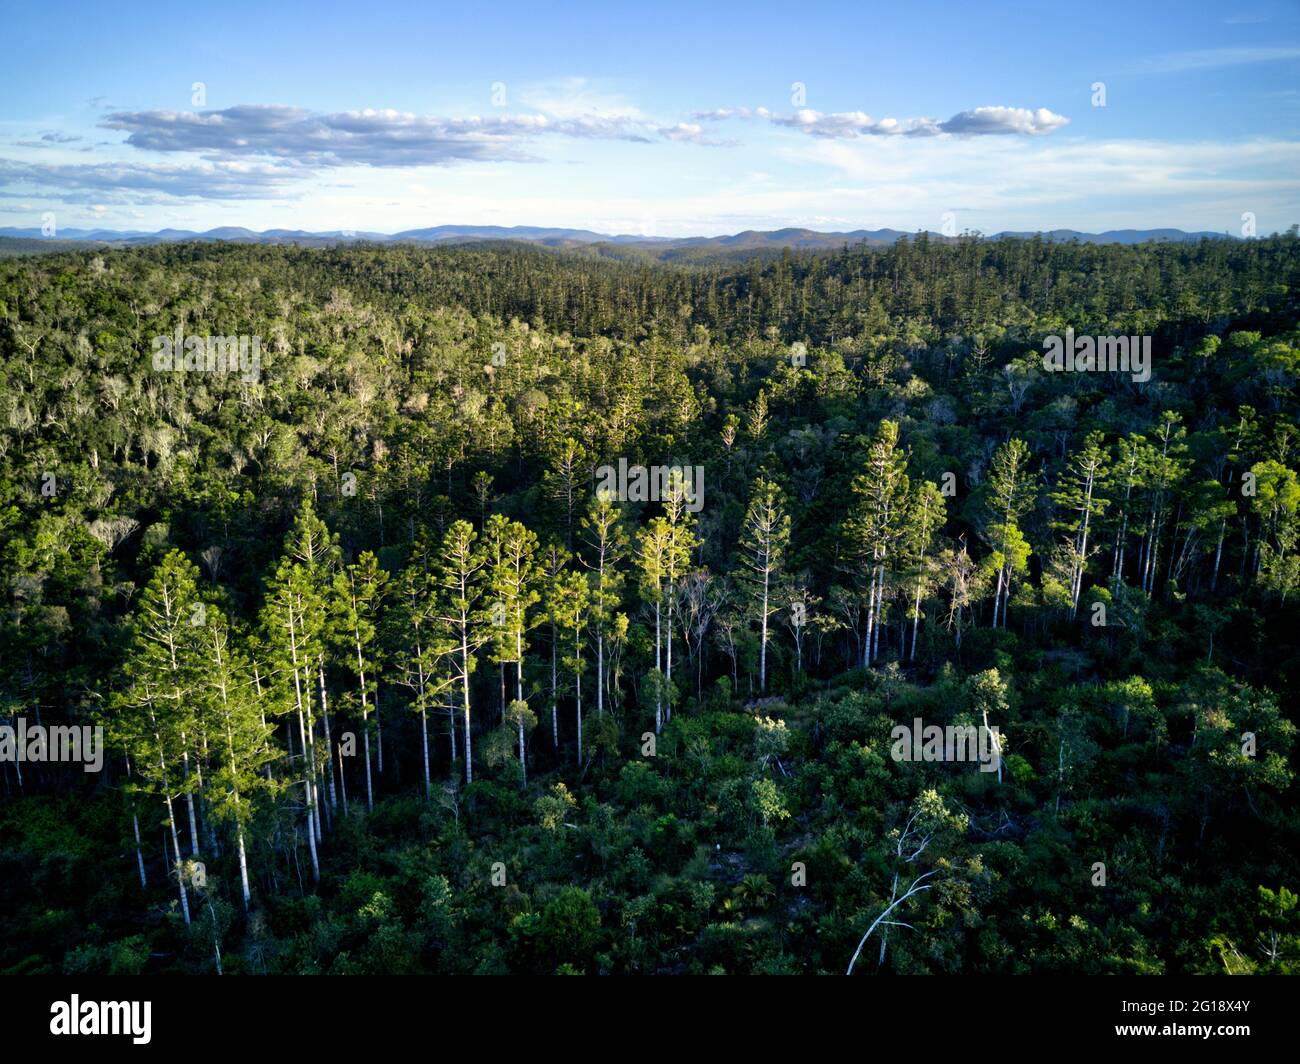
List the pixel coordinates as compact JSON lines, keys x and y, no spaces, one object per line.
{"x":750,"y":241}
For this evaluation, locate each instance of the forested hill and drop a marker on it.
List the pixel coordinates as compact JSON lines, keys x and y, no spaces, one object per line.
{"x":388,"y":685}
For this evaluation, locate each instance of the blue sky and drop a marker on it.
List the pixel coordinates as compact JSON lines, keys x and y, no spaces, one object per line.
{"x":666,"y":119}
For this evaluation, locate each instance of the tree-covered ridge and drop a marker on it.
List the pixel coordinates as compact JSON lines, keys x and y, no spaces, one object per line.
{"x":369,"y":646}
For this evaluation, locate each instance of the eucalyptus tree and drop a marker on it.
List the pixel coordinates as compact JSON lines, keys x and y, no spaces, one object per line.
{"x":1133,"y":456}
{"x":564,"y":480}
{"x":295,"y":619}
{"x":607,"y":547}
{"x":929,"y":836}
{"x":570,"y":597}
{"x":239,"y":731}
{"x":654,"y":543}
{"x":513,"y":579}
{"x":876,"y":524}
{"x":1276,"y":505}
{"x":797,"y":605}
{"x":701,"y":597}
{"x":359,"y":592}
{"x":1012,"y":492}
{"x":1079,"y":496}
{"x":423,"y":650}
{"x":1168,"y":466}
{"x":926,"y":513}
{"x":159,"y":718}
{"x":679,"y":543}
{"x":962,"y":578}
{"x":460,"y":597}
{"x":521,"y":717}
{"x":765,"y":535}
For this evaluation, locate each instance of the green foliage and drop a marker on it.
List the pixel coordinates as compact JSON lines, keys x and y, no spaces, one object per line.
{"x":362,"y":629}
{"x":570,"y":926}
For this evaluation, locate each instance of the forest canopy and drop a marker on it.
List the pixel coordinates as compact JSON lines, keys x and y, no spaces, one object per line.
{"x":387,"y":683}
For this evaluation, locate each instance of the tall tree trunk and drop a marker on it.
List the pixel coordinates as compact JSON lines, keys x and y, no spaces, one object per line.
{"x":668,"y":646}
{"x":424,"y":751}
{"x":464,"y":662}
{"x":180,"y":866}
{"x":577,"y":685}
{"x":916,"y":619}
{"x":189,"y":797}
{"x":880,"y":613}
{"x":325,"y":718}
{"x":302,"y":732}
{"x":600,"y":671}
{"x":555,"y":713}
{"x":135,"y":828}
{"x":659,"y":717}
{"x":1218,"y":553}
{"x":365,"y":728}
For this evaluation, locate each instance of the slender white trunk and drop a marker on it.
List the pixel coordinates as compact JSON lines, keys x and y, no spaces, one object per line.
{"x":243,"y":867}
{"x":914,"y":889}
{"x":424,"y":751}
{"x":668,"y":648}
{"x":880,"y":612}
{"x":464,"y":662}
{"x":234,"y":776}
{"x":600,"y":672}
{"x":916,"y":619}
{"x":519,"y":661}
{"x":577,"y":685}
{"x":871,"y":619}
{"x":325,"y":719}
{"x":171,"y":821}
{"x":135,"y":827}
{"x":139,"y":854}
{"x":997,"y":743}
{"x":180,"y":867}
{"x":659,"y":723}
{"x":365,"y":743}
{"x":302,"y":732}
{"x":365,"y":726}
{"x":310,"y":798}
{"x":555,"y":713}
{"x":343,"y":781}
{"x":1218,"y":554}
{"x":189,"y":800}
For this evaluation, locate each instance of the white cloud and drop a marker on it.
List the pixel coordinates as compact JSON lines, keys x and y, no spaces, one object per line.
{"x":1008,"y":183}
{"x":132,"y":182}
{"x":692,"y":133}
{"x":992,"y":120}
{"x":365,"y":137}
{"x":980,"y":121}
